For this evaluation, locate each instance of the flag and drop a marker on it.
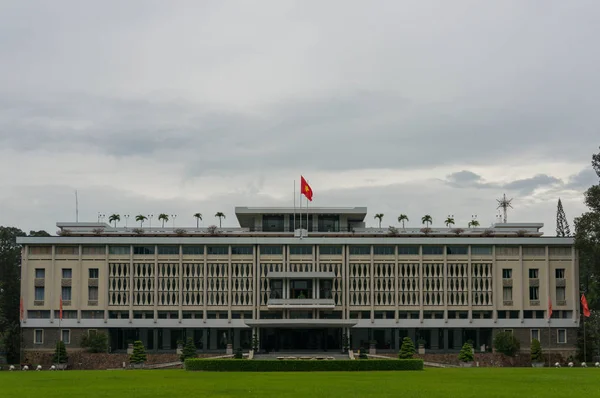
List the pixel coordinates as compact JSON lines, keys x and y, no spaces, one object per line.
{"x":549,"y":308}
{"x":586,"y":309}
{"x":60,"y":313}
{"x":306,"y":189}
{"x":21,"y":309}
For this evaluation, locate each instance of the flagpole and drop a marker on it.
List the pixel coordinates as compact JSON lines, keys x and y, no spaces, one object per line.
{"x":294,"y":223}
{"x":584,"y":352}
{"x":307,"y":219}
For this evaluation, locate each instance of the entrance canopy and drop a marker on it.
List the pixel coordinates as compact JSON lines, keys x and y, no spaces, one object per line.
{"x":301,"y":323}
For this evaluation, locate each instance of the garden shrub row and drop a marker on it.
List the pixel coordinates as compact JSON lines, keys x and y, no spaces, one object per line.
{"x":245,"y":365}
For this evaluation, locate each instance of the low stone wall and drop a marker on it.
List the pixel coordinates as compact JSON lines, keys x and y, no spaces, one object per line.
{"x":486,"y":359}
{"x":88,"y":361}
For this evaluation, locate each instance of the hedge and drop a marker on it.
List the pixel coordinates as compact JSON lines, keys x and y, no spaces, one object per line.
{"x":245,"y":365}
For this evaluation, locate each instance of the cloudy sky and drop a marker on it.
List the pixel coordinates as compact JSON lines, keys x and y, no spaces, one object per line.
{"x":416,"y":107}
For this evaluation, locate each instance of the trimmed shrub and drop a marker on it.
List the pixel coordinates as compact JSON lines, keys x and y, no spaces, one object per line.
{"x":536,"y":351}
{"x":466,"y":353}
{"x":407,"y":350}
{"x":95,"y":343}
{"x":139,"y":353}
{"x":232,"y":365}
{"x":506,"y":343}
{"x":189,"y":350}
{"x":238,"y":354}
{"x":60,"y":353}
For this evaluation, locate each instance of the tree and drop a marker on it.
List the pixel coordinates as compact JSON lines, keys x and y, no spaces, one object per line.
{"x":407,"y":350}
{"x":60,"y":353}
{"x":466,"y":353}
{"x":449,"y":221}
{"x":473,"y":223}
{"x":189,"y":350}
{"x":139,"y":353}
{"x":380,"y":217}
{"x":198,"y":217}
{"x":592,"y":337}
{"x":536,"y":351}
{"x":506,"y":343}
{"x":562,"y":225}
{"x":141,"y":218}
{"x":163,"y":217}
{"x":402,"y":218}
{"x":40,"y":233}
{"x":114,"y":218}
{"x":427,"y":220}
{"x":97,"y":342}
{"x":220,"y":215}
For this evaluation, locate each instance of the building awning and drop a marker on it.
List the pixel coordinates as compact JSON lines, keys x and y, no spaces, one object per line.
{"x":302,"y":323}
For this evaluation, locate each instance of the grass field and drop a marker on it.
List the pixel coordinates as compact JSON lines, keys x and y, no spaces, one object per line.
{"x":474,"y":382}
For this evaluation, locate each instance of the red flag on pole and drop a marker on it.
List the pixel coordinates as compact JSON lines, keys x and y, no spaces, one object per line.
{"x":60,"y":313}
{"x":549,"y":308}
{"x":586,"y":309}
{"x":21,"y":309}
{"x":306,"y":189}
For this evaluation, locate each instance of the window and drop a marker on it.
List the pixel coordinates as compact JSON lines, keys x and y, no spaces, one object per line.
{"x":271,"y":250}
{"x":360,"y":250}
{"x":66,"y":293}
{"x":507,"y":294}
{"x":242,"y":250}
{"x":535,"y":334}
{"x":560,"y":294}
{"x":337,"y":250}
{"x":433,"y":250}
{"x":40,"y":273}
{"x":118,"y":250}
{"x":39,"y":293}
{"x":93,"y":273}
{"x":533,"y":273}
{"x":170,"y":250}
{"x":457,"y":250}
{"x":534,"y":251}
{"x":560,"y":251}
{"x":507,"y":273}
{"x":276,"y":289}
{"x":218,"y":250}
{"x":66,"y":336}
{"x":534,"y":293}
{"x":384,"y":250}
{"x":193,"y":250}
{"x":325,"y":286}
{"x":93,"y":293}
{"x":38,"y":336}
{"x":560,"y":273}
{"x":562,"y":336}
{"x":97,"y":250}
{"x":481,"y":250}
{"x":67,"y":250}
{"x":38,"y":314}
{"x":143,"y":250}
{"x":67,"y":273}
{"x":408,"y":250}
{"x":40,"y":249}
{"x":507,"y":250}
{"x":297,"y":249}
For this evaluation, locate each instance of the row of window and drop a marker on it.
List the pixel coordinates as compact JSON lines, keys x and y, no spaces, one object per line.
{"x":67,"y":273}
{"x":534,"y":293}
{"x":534,"y":273}
{"x":66,"y":293}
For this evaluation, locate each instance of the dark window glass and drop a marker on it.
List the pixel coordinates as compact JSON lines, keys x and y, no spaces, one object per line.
{"x":241,"y":250}
{"x":457,"y":250}
{"x":408,"y":250}
{"x":118,"y":250}
{"x":93,"y":273}
{"x":330,"y":249}
{"x":433,"y":250}
{"x":383,"y":250}
{"x":217,"y":250}
{"x":193,"y":250}
{"x":297,"y":249}
{"x":481,"y":250}
{"x":143,"y":249}
{"x":172,"y":250}
{"x":271,"y":250}
{"x":360,"y":250}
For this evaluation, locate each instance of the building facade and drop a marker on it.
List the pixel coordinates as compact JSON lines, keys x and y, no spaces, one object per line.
{"x":299,"y":285}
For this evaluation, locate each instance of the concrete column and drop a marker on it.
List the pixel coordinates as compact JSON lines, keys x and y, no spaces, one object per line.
{"x":412,"y":333}
{"x":435,"y":344}
{"x":83,"y":277}
{"x":106,"y":272}
{"x":49,"y":288}
{"x":457,"y":341}
{"x":155,"y":338}
{"x":205,"y":288}
{"x":204,"y":339}
{"x":180,"y":285}
{"x":446,"y":339}
{"x":131,"y":284}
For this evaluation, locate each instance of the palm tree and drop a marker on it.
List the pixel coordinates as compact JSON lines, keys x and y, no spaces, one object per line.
{"x":141,"y":218}
{"x":221,"y":216}
{"x":449,"y":221}
{"x":402,"y":218}
{"x":115,"y":218}
{"x":163,"y":217}
{"x":380,"y":217}
{"x":426,"y":219}
{"x":473,"y":223}
{"x":198,"y":217}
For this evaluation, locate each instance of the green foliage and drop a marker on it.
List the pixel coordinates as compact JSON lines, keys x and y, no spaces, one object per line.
{"x":407,"y":350}
{"x":189,"y":350}
{"x":60,"y":353}
{"x":139,"y":353}
{"x":466,"y":353}
{"x":255,"y":343}
{"x":592,"y":337}
{"x":232,"y":365}
{"x":97,"y":342}
{"x":536,"y":351}
{"x":363,"y":354}
{"x":345,"y":342}
{"x":238,"y":353}
{"x":506,"y":343}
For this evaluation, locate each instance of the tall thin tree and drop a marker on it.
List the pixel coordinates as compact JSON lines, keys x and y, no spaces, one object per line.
{"x":427,"y":220}
{"x":141,"y":218}
{"x":380,"y":217}
{"x":163,"y":217}
{"x":402,"y":218}
{"x":562,"y":225}
{"x":220,"y":215}
{"x":198,"y":217}
{"x":114,"y":218}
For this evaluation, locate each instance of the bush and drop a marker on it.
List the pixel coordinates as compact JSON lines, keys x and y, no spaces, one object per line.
{"x":407,"y":350}
{"x":139,"y":353}
{"x":189,"y":350}
{"x":238,"y":353}
{"x":232,"y":365}
{"x":60,"y":353}
{"x":466,"y":353}
{"x":536,"y":351}
{"x":94,"y":343}
{"x":506,"y":343}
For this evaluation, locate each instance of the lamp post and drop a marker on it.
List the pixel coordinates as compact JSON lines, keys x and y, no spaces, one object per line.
{"x":101,"y":217}
{"x":126,"y":218}
{"x":150,"y":222}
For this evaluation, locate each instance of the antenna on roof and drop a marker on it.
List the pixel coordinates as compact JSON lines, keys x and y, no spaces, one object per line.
{"x":504,"y":204}
{"x":76,"y":207}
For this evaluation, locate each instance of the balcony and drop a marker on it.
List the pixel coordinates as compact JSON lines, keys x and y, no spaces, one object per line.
{"x":507,"y":282}
{"x":534,"y":282}
{"x":301,"y":303}
{"x":300,"y":275}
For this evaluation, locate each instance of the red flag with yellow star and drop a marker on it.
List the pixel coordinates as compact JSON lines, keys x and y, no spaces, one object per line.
{"x":305,"y":189}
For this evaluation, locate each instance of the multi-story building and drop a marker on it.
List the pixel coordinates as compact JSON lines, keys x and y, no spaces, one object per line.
{"x":297,"y":286}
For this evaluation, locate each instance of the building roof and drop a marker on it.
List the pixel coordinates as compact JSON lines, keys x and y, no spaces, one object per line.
{"x":246,"y":215}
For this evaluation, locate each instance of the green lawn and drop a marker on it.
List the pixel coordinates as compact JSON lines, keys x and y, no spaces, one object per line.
{"x":474,"y":382}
